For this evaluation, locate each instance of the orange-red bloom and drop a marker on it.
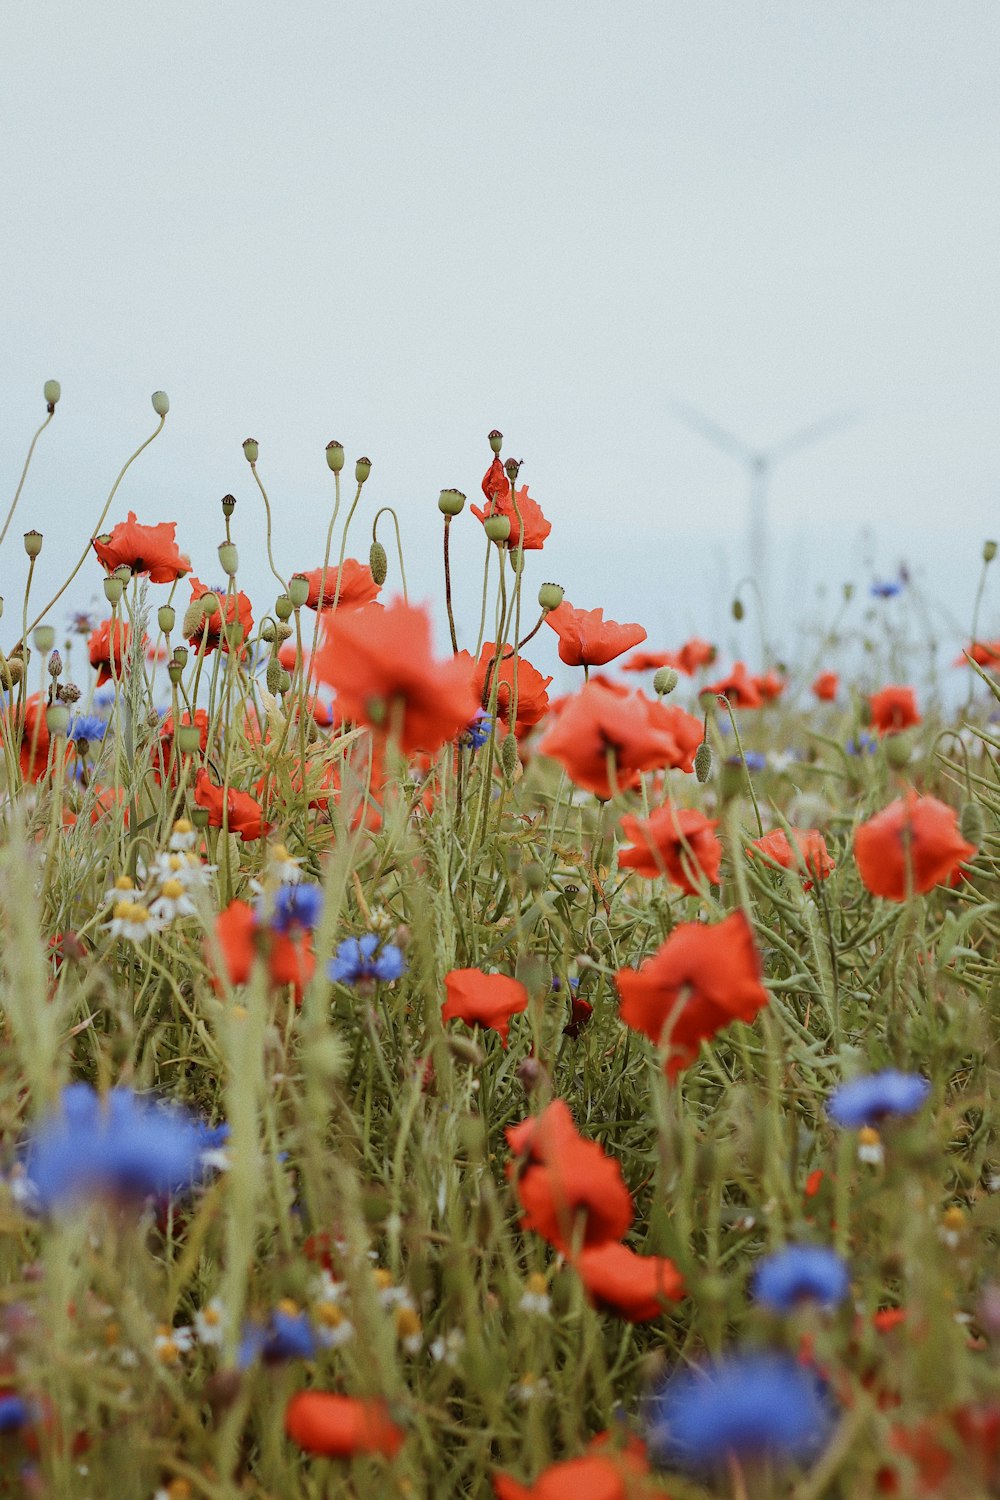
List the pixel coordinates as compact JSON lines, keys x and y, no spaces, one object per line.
{"x":636,"y":1287}
{"x":341,"y":1426}
{"x":380,"y":663}
{"x":602,"y":730}
{"x":289,"y":955}
{"x":586,"y":639}
{"x":488,"y":1000}
{"x":243,"y":815}
{"x":163,"y":748}
{"x":983,"y":653}
{"x":357,"y":586}
{"x":109,"y":647}
{"x":770,"y":685}
{"x":603,"y":1473}
{"x":693,"y":654}
{"x":570,"y":1192}
{"x":677,"y":842}
{"x":701,"y":979}
{"x":649,"y":661}
{"x":532,"y":695}
{"x":33,"y":746}
{"x":496,"y":488}
{"x":913,"y":844}
{"x":739,"y":687}
{"x":236,"y":610}
{"x":145,"y":549}
{"x":809,"y":852}
{"x":893,"y":710}
{"x":685,"y":728}
{"x":825,"y":687}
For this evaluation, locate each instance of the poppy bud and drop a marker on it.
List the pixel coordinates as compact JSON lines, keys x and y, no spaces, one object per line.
{"x":199,"y":817}
{"x":229,"y":559}
{"x":529,"y":1073}
{"x":175,"y":671}
{"x":737,"y":608}
{"x":55,"y":665}
{"x":509,"y":758}
{"x":534,"y":876}
{"x":267,"y":631}
{"x":971,"y":823}
{"x":275,"y":672}
{"x":517,"y":560}
{"x":188,"y":739}
{"x":51,"y":390}
{"x":664,"y":681}
{"x":1,"y":606}
{"x":181,"y":655}
{"x":550,"y":596}
{"x":464,"y":1049}
{"x":512,"y":468}
{"x":283,"y":632}
{"x":166,"y":618}
{"x":362,"y":469}
{"x":210,"y":604}
{"x":989,"y":551}
{"x":283,"y":607}
{"x":703,"y":761}
{"x":11,"y":672}
{"x":194,"y":615}
{"x":496,"y":440}
{"x":251,"y":450}
{"x":161,"y":403}
{"x":897,"y":750}
{"x":57,"y":718}
{"x":33,"y":543}
{"x":113,"y":588}
{"x":450,"y":502}
{"x":228,"y":505}
{"x":497,"y":528}
{"x":44,"y":637}
{"x":378,"y":563}
{"x":298,"y":590}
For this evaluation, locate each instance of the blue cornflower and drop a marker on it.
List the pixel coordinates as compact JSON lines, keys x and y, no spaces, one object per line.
{"x":88,"y":728}
{"x":14,"y":1413}
{"x":478,"y":732}
{"x":886,"y":588}
{"x":747,"y":1405}
{"x":356,"y":961}
{"x":754,"y":759}
{"x":123,"y":1146}
{"x":863,"y":744}
{"x":801,"y":1273}
{"x":868,"y":1100}
{"x":286,"y":1335}
{"x":296,"y":906}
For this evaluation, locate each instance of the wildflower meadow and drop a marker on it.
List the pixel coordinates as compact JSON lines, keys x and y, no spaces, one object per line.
{"x":420,"y":1082}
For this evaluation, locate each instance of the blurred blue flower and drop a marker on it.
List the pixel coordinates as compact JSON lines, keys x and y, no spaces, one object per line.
{"x":88,"y":727}
{"x":478,"y":732}
{"x":801,"y":1273}
{"x":747,"y":1405}
{"x":863,"y":744}
{"x":868,"y":1100}
{"x":886,"y":588}
{"x":754,"y":759}
{"x":285,"y":1336}
{"x":356,"y":961}
{"x":296,"y":906}
{"x":122,"y":1146}
{"x":14,"y":1413}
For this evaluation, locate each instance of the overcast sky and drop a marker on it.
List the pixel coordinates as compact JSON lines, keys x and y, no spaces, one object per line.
{"x":401,"y":225}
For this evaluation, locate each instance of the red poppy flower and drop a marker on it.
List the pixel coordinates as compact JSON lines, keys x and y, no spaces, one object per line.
{"x":163,"y":752}
{"x":770,"y":685}
{"x":357,"y":586}
{"x":586,"y":639}
{"x":145,"y":549}
{"x":825,"y":687}
{"x":739,"y":687}
{"x":496,"y":488}
{"x":33,"y":745}
{"x":693,"y":654}
{"x":243,"y":815}
{"x":109,"y":647}
{"x":983,"y":653}
{"x":569,"y":1190}
{"x":605,"y":1472}
{"x":809,"y":853}
{"x":340,"y":1426}
{"x":599,"y":726}
{"x":380,"y":663}
{"x":701,"y":979}
{"x":893,"y":710}
{"x":289,"y":955}
{"x":236,"y":610}
{"x":649,"y":661}
{"x":914,"y":843}
{"x":686,"y":730}
{"x":488,"y":1000}
{"x":532,"y":695}
{"x":677,"y":842}
{"x":636,"y":1287}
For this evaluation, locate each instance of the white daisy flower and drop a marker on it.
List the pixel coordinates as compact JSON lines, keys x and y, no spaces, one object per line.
{"x":210,"y":1324}
{"x":132,"y":920}
{"x":173,"y":901}
{"x":535,"y":1298}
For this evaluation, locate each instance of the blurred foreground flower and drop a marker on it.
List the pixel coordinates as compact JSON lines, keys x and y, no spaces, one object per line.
{"x":876,"y":1097}
{"x":801,"y":1273}
{"x":340,"y":1426}
{"x":909,"y":847}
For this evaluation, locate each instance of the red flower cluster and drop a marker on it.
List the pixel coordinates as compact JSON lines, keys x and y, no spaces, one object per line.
{"x":487,"y":1000}
{"x":496,"y":488}
{"x":677,"y":842}
{"x":805,"y":851}
{"x":586,"y":639}
{"x":913,"y":845}
{"x":145,"y":549}
{"x":704,"y":977}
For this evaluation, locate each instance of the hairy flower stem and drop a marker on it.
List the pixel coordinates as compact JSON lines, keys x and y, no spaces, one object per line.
{"x":447,"y":587}
{"x":24,"y":474}
{"x":388,"y":510}
{"x":267,"y":510}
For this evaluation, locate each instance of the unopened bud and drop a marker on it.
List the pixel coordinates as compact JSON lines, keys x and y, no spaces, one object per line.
{"x":512,"y":468}
{"x":273,"y":676}
{"x":550,"y":596}
{"x":517,"y":559}
{"x":228,"y":505}
{"x":188,"y":737}
{"x":166,"y":618}
{"x":497,"y":528}
{"x":44,"y":637}
{"x":11,"y":672}
{"x":267,"y":631}
{"x":989,"y":551}
{"x":972,"y":823}
{"x":113,"y":589}
{"x":897,"y":750}
{"x":199,"y":817}
{"x":335,"y":456}
{"x":51,"y":390}
{"x":284,"y":632}
{"x":703,"y":761}
{"x":229,"y":558}
{"x":496,"y":440}
{"x":161,"y":403}
{"x":362,"y":469}
{"x":534,"y":876}
{"x":55,"y":665}
{"x":529,"y":1073}
{"x":194,"y":617}
{"x":298,"y":590}
{"x":664,"y":681}
{"x":33,"y":543}
{"x":251,"y":450}
{"x":737,"y":608}
{"x":283,"y":607}
{"x":378,"y":563}
{"x":57,"y":718}
{"x":450,"y":502}
{"x":463,"y":1049}
{"x":510,"y":761}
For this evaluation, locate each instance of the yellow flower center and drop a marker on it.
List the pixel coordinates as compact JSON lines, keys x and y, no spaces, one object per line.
{"x":172,"y":889}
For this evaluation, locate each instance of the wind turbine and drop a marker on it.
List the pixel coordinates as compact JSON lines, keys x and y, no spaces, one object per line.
{"x":760,"y":464}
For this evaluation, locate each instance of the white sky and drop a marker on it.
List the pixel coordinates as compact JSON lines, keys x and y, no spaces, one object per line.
{"x":401,"y":225}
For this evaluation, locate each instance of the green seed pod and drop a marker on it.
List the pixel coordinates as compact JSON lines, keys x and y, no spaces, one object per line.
{"x":229,"y":558}
{"x":175,"y":671}
{"x":113,"y":590}
{"x":181,"y":654}
{"x":251,"y":450}
{"x":33,"y":543}
{"x":199,"y":817}
{"x":44,"y":637}
{"x":737,"y":608}
{"x":509,"y":758}
{"x":283,"y":607}
{"x":897,"y":750}
{"x":57,"y":718}
{"x":298,"y":590}
{"x":450,"y":502}
{"x":335,"y":457}
{"x":188,"y":737}
{"x":535,"y":878}
{"x":378,"y":563}
{"x":362,"y":469}
{"x":166,"y":618}
{"x":161,"y":403}
{"x":496,"y":440}
{"x":228,"y":505}
{"x":51,"y":390}
{"x":11,"y":672}
{"x":497,"y":528}
{"x":550,"y":596}
{"x":665,"y":680}
{"x":972,"y":823}
{"x":989,"y":551}
{"x":703,"y":761}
